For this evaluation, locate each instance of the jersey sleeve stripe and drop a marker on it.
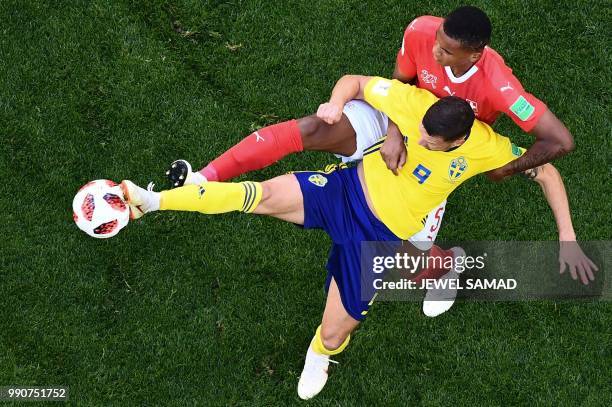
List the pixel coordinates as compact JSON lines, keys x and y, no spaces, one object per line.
{"x":377,"y":145}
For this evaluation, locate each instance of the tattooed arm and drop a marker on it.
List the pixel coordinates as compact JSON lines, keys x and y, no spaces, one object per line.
{"x":553,"y":140}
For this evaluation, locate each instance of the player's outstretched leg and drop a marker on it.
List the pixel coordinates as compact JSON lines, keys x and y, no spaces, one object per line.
{"x":331,"y":338}
{"x":280,"y":197}
{"x":266,"y":146}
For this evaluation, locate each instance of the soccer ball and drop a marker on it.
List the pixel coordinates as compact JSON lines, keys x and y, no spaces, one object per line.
{"x":99,"y":209}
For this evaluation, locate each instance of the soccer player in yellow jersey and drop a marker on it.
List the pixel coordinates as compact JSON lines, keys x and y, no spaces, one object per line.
{"x":434,"y":168}
{"x":446,"y":146}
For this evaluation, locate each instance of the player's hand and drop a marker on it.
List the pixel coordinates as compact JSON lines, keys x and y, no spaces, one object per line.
{"x":329,"y":113}
{"x":572,"y":256}
{"x":393,"y":152}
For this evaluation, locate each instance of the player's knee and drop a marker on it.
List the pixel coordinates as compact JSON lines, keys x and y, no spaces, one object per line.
{"x":332,"y":338}
{"x":310,"y":127}
{"x":264,"y":207}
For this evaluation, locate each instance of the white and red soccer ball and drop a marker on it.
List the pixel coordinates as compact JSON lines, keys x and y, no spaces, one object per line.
{"x":99,"y":209}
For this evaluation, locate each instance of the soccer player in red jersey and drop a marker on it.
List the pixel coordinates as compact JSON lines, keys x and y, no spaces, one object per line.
{"x":448,"y":57}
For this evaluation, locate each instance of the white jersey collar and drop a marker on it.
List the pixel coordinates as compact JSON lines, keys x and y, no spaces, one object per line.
{"x":462,"y":78}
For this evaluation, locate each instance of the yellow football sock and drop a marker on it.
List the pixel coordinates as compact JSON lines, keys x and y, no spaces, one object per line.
{"x":213,"y":197}
{"x":317,"y":344}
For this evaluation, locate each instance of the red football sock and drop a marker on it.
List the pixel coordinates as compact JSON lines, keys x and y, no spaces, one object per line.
{"x":259,"y":150}
{"x":437,"y":257}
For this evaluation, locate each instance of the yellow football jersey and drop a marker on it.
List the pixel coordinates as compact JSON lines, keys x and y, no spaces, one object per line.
{"x":428,"y":177}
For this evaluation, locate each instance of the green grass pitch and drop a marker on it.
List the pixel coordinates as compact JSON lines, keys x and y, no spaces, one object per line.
{"x":184,"y":309}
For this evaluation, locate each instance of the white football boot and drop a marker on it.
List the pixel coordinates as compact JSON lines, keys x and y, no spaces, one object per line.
{"x":140,"y":200}
{"x":180,"y":173}
{"x":439,"y":300}
{"x":314,"y":375}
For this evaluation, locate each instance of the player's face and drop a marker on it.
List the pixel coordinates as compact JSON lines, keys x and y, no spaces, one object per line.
{"x":431,"y":142}
{"x":436,"y":143}
{"x":449,"y":52}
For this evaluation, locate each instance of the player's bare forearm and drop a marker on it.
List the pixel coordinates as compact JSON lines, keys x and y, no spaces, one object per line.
{"x":393,"y":150}
{"x":571,"y":255}
{"x":554,"y":190}
{"x":553,"y":140}
{"x":540,"y":153}
{"x":347,"y":88}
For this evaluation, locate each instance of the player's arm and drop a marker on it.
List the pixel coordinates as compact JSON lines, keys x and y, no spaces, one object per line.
{"x":552,"y":185}
{"x":349,"y":87}
{"x":393,"y":150}
{"x":354,"y":87}
{"x":570,"y":253}
{"x":397,"y":100}
{"x":552,"y":138}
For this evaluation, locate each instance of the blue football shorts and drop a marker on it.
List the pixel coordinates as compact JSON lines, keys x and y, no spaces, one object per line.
{"x":334,"y":201}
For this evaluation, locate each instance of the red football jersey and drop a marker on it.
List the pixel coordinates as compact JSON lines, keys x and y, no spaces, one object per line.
{"x":489,"y":86}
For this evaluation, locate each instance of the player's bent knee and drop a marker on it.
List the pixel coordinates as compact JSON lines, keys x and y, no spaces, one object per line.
{"x":266,"y":191}
{"x":267,"y":197}
{"x":282,"y":198}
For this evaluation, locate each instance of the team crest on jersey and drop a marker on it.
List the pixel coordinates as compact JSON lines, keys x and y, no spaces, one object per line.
{"x":456,"y":168}
{"x":318,"y":179}
{"x":429,"y":78}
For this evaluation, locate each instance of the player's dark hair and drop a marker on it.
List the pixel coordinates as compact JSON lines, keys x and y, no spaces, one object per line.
{"x":450,"y":118}
{"x":470,"y":26}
